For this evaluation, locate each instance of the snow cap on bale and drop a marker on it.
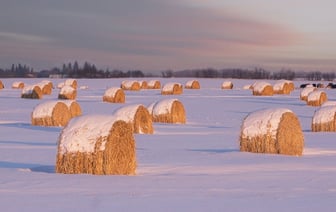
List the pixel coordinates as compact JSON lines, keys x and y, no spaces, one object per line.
{"x":51,"y":113}
{"x":96,"y":144}
{"x":316,"y":98}
{"x":31,"y":92}
{"x":227,"y":85}
{"x":168,"y":111}
{"x":71,"y":82}
{"x":131,"y":85}
{"x":154,"y":84}
{"x":305,"y":92}
{"x":172,"y":88}
{"x":137,"y":116}
{"x":276,"y":131}
{"x":192,"y":84}
{"x":324,"y":119}
{"x":114,"y":95}
{"x":67,"y":92}
{"x":262,"y":89}
{"x":18,"y":85}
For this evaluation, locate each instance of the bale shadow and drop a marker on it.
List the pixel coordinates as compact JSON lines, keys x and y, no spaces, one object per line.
{"x":44,"y":169}
{"x":32,"y":127}
{"x":31,"y":167}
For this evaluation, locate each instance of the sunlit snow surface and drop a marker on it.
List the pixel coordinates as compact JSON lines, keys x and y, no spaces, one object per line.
{"x":191,"y":167}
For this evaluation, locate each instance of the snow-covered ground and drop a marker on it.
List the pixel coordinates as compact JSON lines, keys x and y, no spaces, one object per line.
{"x":195,"y":166}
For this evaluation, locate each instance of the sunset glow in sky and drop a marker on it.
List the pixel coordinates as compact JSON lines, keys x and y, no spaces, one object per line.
{"x":179,"y":34}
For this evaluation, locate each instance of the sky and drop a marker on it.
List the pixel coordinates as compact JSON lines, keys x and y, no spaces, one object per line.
{"x":156,"y":35}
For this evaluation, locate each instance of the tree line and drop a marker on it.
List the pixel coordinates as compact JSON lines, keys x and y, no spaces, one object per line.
{"x":89,"y":70}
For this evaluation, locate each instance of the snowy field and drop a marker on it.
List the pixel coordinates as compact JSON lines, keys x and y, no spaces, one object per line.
{"x":191,"y":167}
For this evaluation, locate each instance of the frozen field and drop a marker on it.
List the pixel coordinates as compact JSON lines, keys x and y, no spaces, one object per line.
{"x":191,"y":167}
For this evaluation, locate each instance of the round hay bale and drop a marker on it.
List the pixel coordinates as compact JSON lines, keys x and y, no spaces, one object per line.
{"x":18,"y":85}
{"x":67,"y":92}
{"x":154,"y":84}
{"x":316,"y":98}
{"x":74,"y":108}
{"x":275,"y":131}
{"x":138,"y":116}
{"x":51,"y":113}
{"x":324,"y":119}
{"x":2,"y":86}
{"x":32,"y":92}
{"x":192,"y":84}
{"x":168,"y":111}
{"x":329,"y":103}
{"x":100,"y":145}
{"x":283,"y":87}
{"x":172,"y":89}
{"x":262,"y":89}
{"x":305,"y":92}
{"x":143,"y":84}
{"x":46,"y":87}
{"x":71,"y":82}
{"x":130,"y":85}
{"x":227,"y":85}
{"x":114,"y":95}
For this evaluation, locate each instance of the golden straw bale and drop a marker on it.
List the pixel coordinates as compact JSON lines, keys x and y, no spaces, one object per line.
{"x":172,"y":89}
{"x":18,"y":85}
{"x":192,"y":84}
{"x":74,"y":108}
{"x":2,"y":86}
{"x":283,"y":87}
{"x":71,"y":82}
{"x":143,"y":85}
{"x":275,"y":131}
{"x":227,"y":85}
{"x":67,"y":92}
{"x":32,"y":92}
{"x":130,"y":85}
{"x":305,"y":92}
{"x":168,"y":111}
{"x":324,"y":119}
{"x":316,"y":98}
{"x":154,"y":84}
{"x":138,"y":116}
{"x":99,"y":145}
{"x":262,"y":89}
{"x":114,"y":95}
{"x":46,"y":87}
{"x":51,"y":113}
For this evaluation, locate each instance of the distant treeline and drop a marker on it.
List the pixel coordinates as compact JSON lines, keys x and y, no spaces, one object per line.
{"x":88,"y":70}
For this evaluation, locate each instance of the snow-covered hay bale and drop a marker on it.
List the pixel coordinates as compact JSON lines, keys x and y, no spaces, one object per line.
{"x":227,"y":85}
{"x":1,"y":85}
{"x":329,"y":103}
{"x":46,"y":87}
{"x":192,"y":84}
{"x":154,"y":84}
{"x":100,"y":145}
{"x":130,"y":85}
{"x":283,"y":87}
{"x":276,"y":131}
{"x":60,"y":85}
{"x":138,"y":117}
{"x":114,"y":95}
{"x":71,"y":82}
{"x":316,"y":98}
{"x":67,"y":92}
{"x":168,"y":111}
{"x":172,"y":89}
{"x":305,"y":92}
{"x":262,"y":89}
{"x":32,"y":92}
{"x":74,"y":108}
{"x":18,"y":85}
{"x":247,"y":87}
{"x":324,"y":119}
{"x":143,"y":84}
{"x":51,"y":113}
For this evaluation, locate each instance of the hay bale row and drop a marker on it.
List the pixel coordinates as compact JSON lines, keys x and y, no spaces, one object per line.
{"x":55,"y":113}
{"x":114,"y":95}
{"x":324,"y":119}
{"x":283,"y":87}
{"x":67,"y":92}
{"x":32,"y":92}
{"x":130,"y":85}
{"x":154,"y":84}
{"x":262,"y":89}
{"x":18,"y":85}
{"x":305,"y":92}
{"x":168,"y":111}
{"x":192,"y":84}
{"x":137,"y":116}
{"x":227,"y":85}
{"x":100,"y":145}
{"x":316,"y":98}
{"x":172,"y":89}
{"x":275,"y":131}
